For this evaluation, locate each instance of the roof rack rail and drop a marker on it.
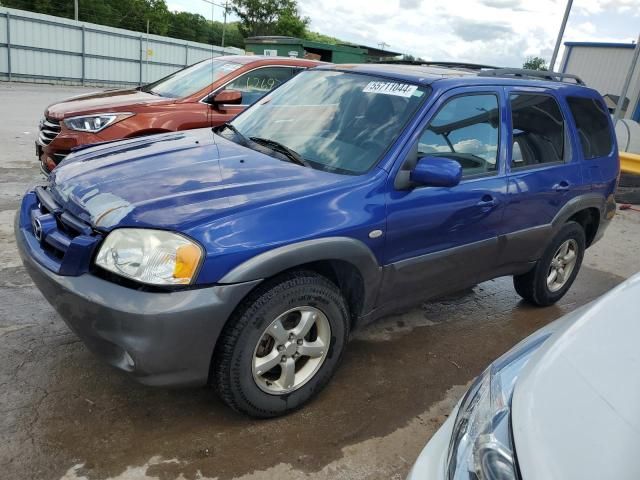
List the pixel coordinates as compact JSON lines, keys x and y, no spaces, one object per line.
{"x":531,"y":74}
{"x":468,"y":66}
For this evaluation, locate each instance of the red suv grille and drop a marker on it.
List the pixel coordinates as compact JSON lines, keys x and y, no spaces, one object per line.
{"x":49,"y":129}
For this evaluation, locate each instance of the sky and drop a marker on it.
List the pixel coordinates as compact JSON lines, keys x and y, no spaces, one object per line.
{"x":492,"y":32}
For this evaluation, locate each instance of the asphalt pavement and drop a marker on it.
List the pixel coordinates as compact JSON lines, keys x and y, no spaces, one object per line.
{"x":66,"y":415}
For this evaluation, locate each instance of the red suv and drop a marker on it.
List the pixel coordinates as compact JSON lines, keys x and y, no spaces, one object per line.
{"x":208,"y":93}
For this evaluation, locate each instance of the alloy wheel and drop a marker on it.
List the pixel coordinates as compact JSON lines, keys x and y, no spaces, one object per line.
{"x":291,"y":350}
{"x":562,"y":265}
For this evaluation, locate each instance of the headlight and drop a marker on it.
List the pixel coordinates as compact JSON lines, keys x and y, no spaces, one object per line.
{"x":155,"y":257}
{"x":481,"y":444}
{"x":95,"y":123}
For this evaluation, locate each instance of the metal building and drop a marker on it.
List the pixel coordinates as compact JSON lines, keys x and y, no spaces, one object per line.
{"x":604,"y":66}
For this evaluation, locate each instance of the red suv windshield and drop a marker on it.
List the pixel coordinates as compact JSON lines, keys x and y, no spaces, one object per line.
{"x":192,"y":79}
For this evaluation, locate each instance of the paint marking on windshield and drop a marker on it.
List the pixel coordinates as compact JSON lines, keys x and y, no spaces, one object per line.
{"x":391,"y":88}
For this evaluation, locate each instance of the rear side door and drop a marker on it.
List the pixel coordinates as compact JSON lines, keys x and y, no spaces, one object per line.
{"x":442,"y":238}
{"x":543,"y":171}
{"x":253,"y":85}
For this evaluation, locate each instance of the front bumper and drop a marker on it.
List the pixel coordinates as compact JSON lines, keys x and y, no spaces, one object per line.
{"x":159,"y":338}
{"x":432,"y":461}
{"x":52,"y":153}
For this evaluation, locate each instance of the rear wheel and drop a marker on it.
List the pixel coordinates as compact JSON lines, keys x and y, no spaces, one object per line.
{"x":282,"y":346}
{"x":555,"y":272}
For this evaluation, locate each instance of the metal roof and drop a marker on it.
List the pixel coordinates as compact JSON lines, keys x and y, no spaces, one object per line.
{"x":600,"y":44}
{"x":275,"y":39}
{"x":412,"y":73}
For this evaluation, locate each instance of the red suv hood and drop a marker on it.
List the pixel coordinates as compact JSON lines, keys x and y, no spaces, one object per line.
{"x":99,"y":102}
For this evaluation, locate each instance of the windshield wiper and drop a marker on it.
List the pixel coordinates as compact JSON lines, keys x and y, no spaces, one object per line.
{"x":242,"y":138}
{"x":292,"y":155}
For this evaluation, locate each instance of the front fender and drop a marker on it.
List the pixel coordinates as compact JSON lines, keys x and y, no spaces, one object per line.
{"x":283,"y":258}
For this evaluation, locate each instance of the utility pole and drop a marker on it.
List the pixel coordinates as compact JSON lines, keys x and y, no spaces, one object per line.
{"x":224,"y":24}
{"x":560,"y":34}
{"x":75,"y":9}
{"x":382,"y":45}
{"x":146,"y":55}
{"x":627,"y":81}
{"x":225,"y":8}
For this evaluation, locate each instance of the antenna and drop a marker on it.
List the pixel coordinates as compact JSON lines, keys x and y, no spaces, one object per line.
{"x":209,"y":121}
{"x":225,"y":7}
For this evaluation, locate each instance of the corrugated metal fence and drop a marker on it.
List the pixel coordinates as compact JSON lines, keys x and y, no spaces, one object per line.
{"x":35,"y":47}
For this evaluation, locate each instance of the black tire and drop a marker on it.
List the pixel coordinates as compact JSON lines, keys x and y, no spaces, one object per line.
{"x":532,"y":286}
{"x":233,"y":358}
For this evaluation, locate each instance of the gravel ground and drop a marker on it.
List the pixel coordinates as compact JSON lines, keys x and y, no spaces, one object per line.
{"x":64,"y":414}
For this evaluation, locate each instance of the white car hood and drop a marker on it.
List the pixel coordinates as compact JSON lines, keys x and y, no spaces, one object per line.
{"x":576,"y":405}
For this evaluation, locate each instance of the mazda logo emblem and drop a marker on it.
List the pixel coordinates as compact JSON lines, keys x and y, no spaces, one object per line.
{"x":37,"y":229}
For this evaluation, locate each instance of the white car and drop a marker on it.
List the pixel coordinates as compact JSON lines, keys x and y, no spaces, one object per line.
{"x":563,"y":404}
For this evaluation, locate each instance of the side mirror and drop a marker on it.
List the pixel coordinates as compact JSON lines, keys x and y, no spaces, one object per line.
{"x":226,"y":97}
{"x":436,"y":172}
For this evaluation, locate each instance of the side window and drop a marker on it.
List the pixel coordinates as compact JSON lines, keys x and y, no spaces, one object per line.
{"x":538,"y":130}
{"x":257,"y":83}
{"x":592,"y":123}
{"x":465,"y":129}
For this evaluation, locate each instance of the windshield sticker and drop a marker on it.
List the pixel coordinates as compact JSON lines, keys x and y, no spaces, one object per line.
{"x":391,"y":88}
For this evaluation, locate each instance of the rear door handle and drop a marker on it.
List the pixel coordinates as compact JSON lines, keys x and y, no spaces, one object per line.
{"x":563,"y":186}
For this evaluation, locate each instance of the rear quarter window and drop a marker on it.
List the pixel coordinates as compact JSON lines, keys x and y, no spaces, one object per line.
{"x":592,"y":124}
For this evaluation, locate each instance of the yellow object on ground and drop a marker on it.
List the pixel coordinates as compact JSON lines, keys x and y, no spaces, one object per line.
{"x":630,"y":162}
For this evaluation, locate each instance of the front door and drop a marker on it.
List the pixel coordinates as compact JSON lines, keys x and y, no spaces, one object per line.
{"x":439,"y":239}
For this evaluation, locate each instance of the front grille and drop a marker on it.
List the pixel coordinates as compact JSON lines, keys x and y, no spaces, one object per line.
{"x":66,"y":242}
{"x":49,"y":129}
{"x":58,"y":157}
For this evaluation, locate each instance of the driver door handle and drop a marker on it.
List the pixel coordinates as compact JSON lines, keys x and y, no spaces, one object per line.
{"x":563,"y":186}
{"x":487,"y":201}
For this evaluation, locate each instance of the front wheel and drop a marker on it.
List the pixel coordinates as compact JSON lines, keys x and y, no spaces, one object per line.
{"x":555,"y":272}
{"x":282,"y":346}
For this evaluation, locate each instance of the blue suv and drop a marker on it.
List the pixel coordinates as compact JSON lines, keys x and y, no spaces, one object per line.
{"x":244,"y":257}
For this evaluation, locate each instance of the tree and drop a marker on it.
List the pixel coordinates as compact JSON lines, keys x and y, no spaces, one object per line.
{"x":269,"y":17}
{"x":266,"y":17}
{"x":189,"y":26}
{"x":319,"y":37}
{"x":535,"y":63}
{"x":129,"y":14}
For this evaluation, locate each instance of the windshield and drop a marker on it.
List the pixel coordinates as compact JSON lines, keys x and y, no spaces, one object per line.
{"x":192,"y":79}
{"x":335,"y":121}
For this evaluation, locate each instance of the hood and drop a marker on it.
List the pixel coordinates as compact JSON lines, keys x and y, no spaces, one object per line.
{"x":98,"y":102}
{"x":177,"y":180}
{"x":576,"y":405}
